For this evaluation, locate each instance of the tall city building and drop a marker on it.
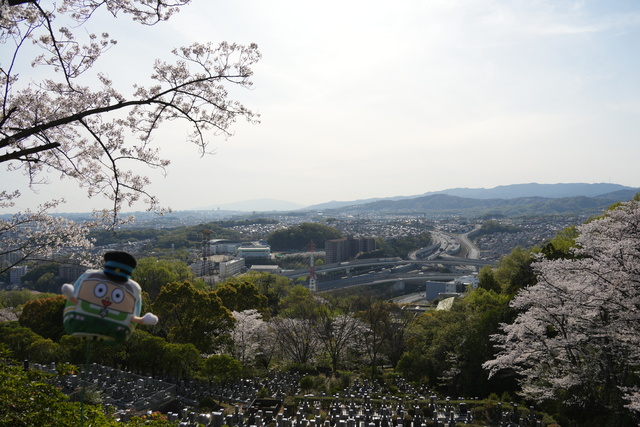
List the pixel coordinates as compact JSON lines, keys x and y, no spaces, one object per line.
{"x":338,"y":250}
{"x":70,"y":272}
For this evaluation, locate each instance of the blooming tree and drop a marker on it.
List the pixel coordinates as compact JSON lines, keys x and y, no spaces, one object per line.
{"x":247,"y":334}
{"x":337,"y":333}
{"x":74,"y":122}
{"x":577,"y":336}
{"x":38,"y":235}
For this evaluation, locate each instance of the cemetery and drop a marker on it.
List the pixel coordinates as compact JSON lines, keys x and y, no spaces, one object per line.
{"x":363,"y":404}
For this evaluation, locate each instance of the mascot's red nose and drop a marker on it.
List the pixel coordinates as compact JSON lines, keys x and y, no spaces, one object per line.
{"x":106,"y":302}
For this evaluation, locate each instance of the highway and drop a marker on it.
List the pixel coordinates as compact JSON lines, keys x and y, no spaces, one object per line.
{"x":447,"y":250}
{"x":385,"y":262}
{"x":469,"y":250}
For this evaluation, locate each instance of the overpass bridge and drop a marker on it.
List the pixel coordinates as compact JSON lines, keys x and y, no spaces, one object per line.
{"x":347,"y":266}
{"x":378,"y":278}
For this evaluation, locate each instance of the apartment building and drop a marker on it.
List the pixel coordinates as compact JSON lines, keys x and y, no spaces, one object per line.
{"x":338,"y":250}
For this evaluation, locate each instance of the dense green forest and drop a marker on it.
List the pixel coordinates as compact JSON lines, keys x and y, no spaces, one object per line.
{"x":493,"y":226}
{"x":297,"y":237}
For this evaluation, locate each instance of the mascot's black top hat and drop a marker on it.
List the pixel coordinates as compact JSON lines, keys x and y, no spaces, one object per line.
{"x":119,"y":265}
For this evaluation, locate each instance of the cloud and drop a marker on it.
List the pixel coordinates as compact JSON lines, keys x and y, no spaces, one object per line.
{"x":373,"y":98}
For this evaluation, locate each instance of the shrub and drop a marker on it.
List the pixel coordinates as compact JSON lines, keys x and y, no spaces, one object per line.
{"x":307,"y":383}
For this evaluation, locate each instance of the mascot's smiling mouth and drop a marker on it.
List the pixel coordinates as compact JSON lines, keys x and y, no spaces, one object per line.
{"x":106,"y":302}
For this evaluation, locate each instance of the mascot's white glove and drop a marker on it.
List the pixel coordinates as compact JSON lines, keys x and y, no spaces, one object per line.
{"x":67,"y":291}
{"x":149,"y":319}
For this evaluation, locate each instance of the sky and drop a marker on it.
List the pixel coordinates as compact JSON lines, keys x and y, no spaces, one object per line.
{"x":361,"y":99}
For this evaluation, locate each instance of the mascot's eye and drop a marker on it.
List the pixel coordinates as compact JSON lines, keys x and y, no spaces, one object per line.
{"x":100,"y":290}
{"x":117,"y":295}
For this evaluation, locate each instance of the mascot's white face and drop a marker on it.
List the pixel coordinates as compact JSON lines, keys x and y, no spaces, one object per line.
{"x":107,"y":295}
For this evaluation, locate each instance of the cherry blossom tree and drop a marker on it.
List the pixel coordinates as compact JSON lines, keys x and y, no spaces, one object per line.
{"x":577,"y":336}
{"x":66,"y":118}
{"x":37,"y":235}
{"x":337,"y":333}
{"x":247,"y":334}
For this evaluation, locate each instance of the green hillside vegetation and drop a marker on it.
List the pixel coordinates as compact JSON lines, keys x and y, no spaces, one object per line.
{"x":491,"y":227}
{"x":42,"y":277}
{"x":398,"y":246}
{"x":297,"y":237}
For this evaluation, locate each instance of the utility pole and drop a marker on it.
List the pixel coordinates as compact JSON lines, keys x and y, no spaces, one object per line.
{"x":313,"y":285}
{"x":205,"y":270}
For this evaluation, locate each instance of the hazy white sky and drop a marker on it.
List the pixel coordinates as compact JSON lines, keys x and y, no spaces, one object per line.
{"x":363,"y":99}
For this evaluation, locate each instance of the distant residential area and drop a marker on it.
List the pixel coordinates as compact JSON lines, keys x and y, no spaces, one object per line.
{"x":248,"y":241}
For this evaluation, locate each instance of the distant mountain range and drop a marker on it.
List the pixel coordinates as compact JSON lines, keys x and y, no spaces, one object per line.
{"x":551,"y":191}
{"x":504,"y":200}
{"x":508,"y":200}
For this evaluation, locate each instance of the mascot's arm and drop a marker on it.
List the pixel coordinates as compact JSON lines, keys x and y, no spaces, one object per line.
{"x":67,"y":291}
{"x":147,"y":319}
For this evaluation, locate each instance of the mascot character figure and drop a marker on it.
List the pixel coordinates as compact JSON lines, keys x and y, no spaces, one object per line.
{"x":104,"y":305}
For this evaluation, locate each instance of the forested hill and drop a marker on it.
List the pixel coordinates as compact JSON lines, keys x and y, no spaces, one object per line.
{"x":443,"y":204}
